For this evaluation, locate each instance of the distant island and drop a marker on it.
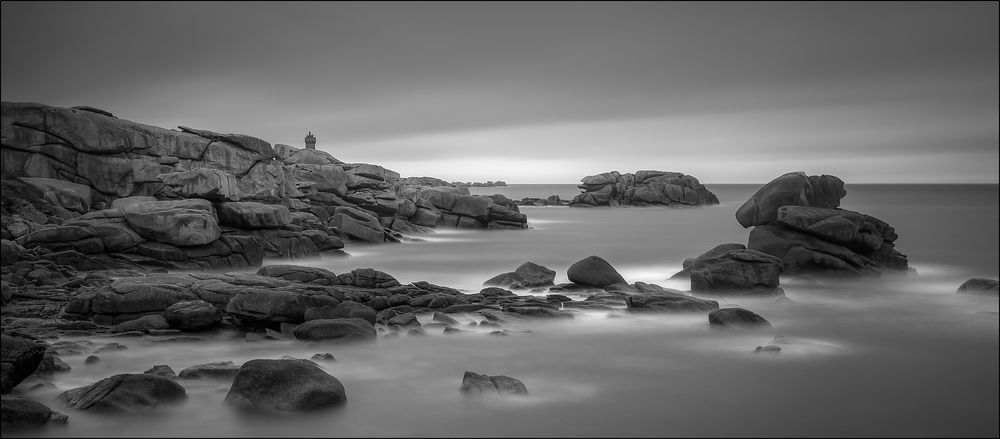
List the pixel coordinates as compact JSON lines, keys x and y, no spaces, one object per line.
{"x":479,"y":184}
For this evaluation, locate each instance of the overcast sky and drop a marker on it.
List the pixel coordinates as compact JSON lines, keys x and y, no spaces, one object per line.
{"x":544,"y":92}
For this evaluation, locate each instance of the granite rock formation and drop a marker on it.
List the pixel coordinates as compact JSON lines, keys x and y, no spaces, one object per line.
{"x":644,"y":188}
{"x":797,"y":219}
{"x":127,"y":194}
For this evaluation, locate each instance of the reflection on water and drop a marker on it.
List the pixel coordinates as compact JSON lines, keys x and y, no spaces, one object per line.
{"x":900,"y":356}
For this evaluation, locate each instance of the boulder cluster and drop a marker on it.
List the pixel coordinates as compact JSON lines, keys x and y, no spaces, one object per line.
{"x":121,"y":194}
{"x":644,"y":188}
{"x":797,"y":219}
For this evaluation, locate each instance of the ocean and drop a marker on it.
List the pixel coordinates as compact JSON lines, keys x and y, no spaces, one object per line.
{"x":894,"y":356}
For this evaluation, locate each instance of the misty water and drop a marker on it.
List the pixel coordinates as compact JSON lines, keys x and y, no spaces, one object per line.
{"x":892,"y":356}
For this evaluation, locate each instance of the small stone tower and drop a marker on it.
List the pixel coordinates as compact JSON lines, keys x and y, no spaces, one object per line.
{"x":310,"y":141}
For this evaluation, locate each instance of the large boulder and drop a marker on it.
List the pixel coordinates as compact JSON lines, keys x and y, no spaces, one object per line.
{"x":253,"y":215}
{"x":528,"y":275}
{"x":736,"y":318}
{"x":19,"y":358}
{"x":74,"y":197}
{"x":342,"y":329}
{"x":125,"y":393}
{"x":284,"y":385}
{"x":791,"y":189}
{"x":358,"y":224}
{"x":18,"y":413}
{"x":264,"y":306}
{"x":207,"y":183}
{"x":594,"y":271}
{"x":179,"y":222}
{"x":737,"y":272}
{"x":192,"y":315}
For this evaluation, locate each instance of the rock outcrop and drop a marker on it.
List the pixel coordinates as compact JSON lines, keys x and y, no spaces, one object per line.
{"x":527,"y":275}
{"x":138,"y":195}
{"x":19,"y":358}
{"x":736,"y":272}
{"x":797,"y":219}
{"x":644,"y":188}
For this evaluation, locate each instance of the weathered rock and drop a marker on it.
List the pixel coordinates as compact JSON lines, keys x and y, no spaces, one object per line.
{"x":736,"y":318}
{"x":261,"y":305}
{"x":162,"y":370}
{"x":70,"y":196}
{"x":791,"y":189}
{"x":142,"y":324}
{"x":737,"y":272}
{"x":253,"y":215}
{"x":284,"y":385}
{"x":216,"y":370}
{"x":182,"y":222}
{"x":18,"y":413}
{"x":528,"y":275}
{"x":207,"y":183}
{"x":803,"y":253}
{"x":192,"y":315}
{"x":476,"y":384}
{"x":666,"y":301}
{"x":19,"y":358}
{"x":358,"y":224}
{"x":125,"y":393}
{"x":643,"y":188}
{"x":594,"y":271}
{"x":980,"y":286}
{"x":345,"y":329}
{"x":298,"y":273}
{"x":444,"y":318}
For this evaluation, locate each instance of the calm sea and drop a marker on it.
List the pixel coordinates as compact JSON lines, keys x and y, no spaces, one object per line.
{"x":898,"y":356}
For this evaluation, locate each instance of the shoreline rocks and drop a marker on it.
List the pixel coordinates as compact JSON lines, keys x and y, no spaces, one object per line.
{"x":284,"y":385}
{"x":144,"y":196}
{"x":644,"y":188}
{"x":980,"y":286}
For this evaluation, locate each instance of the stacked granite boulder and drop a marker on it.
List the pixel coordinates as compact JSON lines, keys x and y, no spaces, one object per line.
{"x":82,"y":180}
{"x":644,"y":188}
{"x":797,"y":219}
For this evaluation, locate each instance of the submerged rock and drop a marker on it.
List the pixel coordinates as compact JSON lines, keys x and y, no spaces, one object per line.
{"x":736,"y":318}
{"x":216,"y":370}
{"x":980,"y":286}
{"x":284,"y":385}
{"x":345,"y":329}
{"x":125,"y":393}
{"x":476,"y":384}
{"x":162,"y":370}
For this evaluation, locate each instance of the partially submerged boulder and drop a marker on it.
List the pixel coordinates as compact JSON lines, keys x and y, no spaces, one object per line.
{"x":739,"y":272}
{"x":19,"y":358}
{"x":736,"y":318}
{"x":284,"y":385}
{"x":594,"y":271}
{"x":980,"y":286}
{"x":125,"y":393}
{"x":343,"y":329}
{"x":527,"y":275}
{"x":476,"y":384}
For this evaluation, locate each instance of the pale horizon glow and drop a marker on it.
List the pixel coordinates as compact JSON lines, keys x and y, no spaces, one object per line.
{"x":544,"y":92}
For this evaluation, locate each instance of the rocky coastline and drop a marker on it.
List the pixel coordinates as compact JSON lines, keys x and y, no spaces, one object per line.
{"x":116,"y":229}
